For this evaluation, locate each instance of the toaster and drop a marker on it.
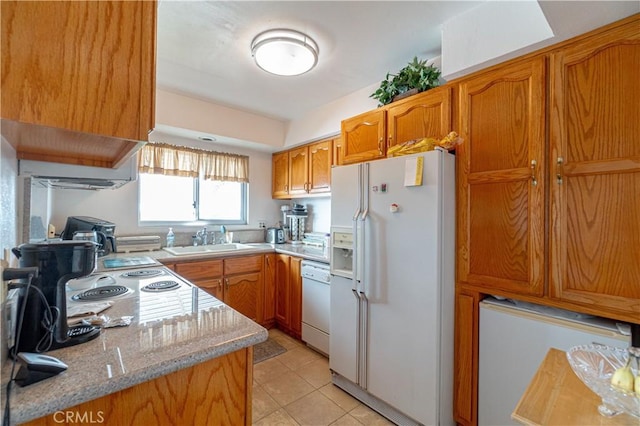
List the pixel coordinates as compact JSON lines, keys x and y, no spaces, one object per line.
{"x":275,"y":235}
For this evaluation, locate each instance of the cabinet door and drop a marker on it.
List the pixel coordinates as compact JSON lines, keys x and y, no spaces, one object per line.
{"x":338,"y":152}
{"x":212,"y":286}
{"x":282,"y":290}
{"x":205,"y":274}
{"x":269,"y":288}
{"x":425,"y":115}
{"x":320,"y":154}
{"x":595,"y":172}
{"x":295,"y":297}
{"x":241,"y":293}
{"x":363,"y":137}
{"x":82,"y":66}
{"x":241,"y":264}
{"x":280,"y":175}
{"x":298,"y":170}
{"x":501,"y":179}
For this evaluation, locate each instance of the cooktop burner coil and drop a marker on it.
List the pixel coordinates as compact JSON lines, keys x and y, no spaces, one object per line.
{"x":161,"y":286}
{"x":101,"y":293}
{"x":143,"y":273}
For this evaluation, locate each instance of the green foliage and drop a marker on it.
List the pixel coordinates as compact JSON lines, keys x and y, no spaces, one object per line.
{"x":416,"y":75}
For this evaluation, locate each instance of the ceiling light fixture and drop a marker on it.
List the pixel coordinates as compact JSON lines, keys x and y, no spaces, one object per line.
{"x":284,"y":52}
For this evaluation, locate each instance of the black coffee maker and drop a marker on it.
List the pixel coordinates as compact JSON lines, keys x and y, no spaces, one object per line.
{"x":105,"y":231}
{"x":44,"y":323}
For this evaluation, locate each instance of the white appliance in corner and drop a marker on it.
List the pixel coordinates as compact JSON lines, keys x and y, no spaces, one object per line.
{"x":514,"y":339}
{"x":392,"y":287}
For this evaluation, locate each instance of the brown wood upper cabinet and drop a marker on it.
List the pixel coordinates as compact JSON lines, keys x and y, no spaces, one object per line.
{"x":501,"y":183}
{"x":368,"y":136}
{"x":363,"y":137}
{"x":78,"y":79}
{"x":280,"y":175}
{"x":427,"y":114}
{"x":594,"y":175}
{"x":306,"y":171}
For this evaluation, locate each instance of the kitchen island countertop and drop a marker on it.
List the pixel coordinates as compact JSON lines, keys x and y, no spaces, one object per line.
{"x":153,"y":345}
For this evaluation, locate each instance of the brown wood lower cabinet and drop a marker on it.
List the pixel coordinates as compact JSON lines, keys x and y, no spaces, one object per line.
{"x":269,"y":290}
{"x":288,"y":310}
{"x":215,"y":392}
{"x":237,"y":281}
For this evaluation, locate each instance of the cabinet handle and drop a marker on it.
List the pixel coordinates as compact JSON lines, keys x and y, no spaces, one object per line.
{"x":390,"y":140}
{"x":559,"y":171}
{"x":534,"y":180}
{"x":286,"y":188}
{"x":380,"y":145}
{"x":226,"y":282}
{"x":220,"y":284}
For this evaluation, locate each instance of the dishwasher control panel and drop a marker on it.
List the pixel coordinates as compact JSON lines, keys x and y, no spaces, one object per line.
{"x":315,"y":271}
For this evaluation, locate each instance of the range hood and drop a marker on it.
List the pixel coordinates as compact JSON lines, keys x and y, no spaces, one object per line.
{"x":67,"y":176}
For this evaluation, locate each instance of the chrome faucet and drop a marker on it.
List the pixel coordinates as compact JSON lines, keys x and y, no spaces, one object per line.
{"x":202,"y":235}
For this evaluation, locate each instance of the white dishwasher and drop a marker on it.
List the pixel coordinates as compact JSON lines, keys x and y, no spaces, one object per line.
{"x":316,"y":296}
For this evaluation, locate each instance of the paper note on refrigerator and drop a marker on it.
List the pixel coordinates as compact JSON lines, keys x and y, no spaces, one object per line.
{"x":413,"y":171}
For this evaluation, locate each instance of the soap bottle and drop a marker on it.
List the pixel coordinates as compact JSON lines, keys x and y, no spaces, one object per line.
{"x":171,"y":238}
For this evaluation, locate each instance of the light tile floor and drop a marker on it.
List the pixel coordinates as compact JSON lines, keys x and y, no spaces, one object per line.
{"x":295,"y":389}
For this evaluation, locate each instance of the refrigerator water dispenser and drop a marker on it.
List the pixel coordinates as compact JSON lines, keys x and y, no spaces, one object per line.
{"x":342,"y":251}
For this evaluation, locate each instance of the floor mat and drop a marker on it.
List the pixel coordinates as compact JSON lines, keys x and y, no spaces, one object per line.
{"x":267,"y":349}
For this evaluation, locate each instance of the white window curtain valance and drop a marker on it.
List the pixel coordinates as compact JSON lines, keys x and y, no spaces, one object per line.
{"x":165,"y":159}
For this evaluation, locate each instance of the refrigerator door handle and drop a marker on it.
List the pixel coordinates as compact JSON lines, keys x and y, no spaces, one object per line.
{"x":363,"y":344}
{"x":358,"y":336}
{"x":365,"y":192}
{"x":359,"y":254}
{"x":356,"y":215}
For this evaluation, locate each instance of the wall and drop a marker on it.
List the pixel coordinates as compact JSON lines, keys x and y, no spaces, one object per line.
{"x":183,"y":112}
{"x":319,"y":213}
{"x":120,"y":205}
{"x":325,"y":120}
{"x":497,"y":31}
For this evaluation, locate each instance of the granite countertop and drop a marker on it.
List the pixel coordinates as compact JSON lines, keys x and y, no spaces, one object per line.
{"x":317,"y":254}
{"x":169,"y":331}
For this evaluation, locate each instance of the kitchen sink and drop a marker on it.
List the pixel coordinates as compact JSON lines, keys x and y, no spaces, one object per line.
{"x":214,"y":248}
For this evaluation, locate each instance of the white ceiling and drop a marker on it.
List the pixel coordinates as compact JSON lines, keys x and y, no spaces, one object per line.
{"x":203,"y":48}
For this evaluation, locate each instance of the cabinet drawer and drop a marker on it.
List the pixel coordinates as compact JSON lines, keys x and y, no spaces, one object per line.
{"x":195,"y":271}
{"x":243,"y":264}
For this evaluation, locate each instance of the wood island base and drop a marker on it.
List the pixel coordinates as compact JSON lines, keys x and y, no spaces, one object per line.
{"x":215,"y":392}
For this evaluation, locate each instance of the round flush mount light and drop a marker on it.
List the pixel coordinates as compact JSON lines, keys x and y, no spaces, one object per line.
{"x":284,"y":52}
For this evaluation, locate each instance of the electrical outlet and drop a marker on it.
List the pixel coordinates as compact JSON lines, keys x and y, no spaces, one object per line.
{"x":262,"y":223}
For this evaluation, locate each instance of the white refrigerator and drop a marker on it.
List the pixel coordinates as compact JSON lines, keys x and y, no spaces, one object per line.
{"x":392,"y":288}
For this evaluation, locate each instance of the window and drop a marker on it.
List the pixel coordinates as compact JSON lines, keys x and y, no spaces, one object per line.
{"x":176,"y":199}
{"x":181,"y":185}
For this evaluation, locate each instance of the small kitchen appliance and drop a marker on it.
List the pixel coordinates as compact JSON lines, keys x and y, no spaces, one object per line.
{"x":275,"y":236}
{"x":44,"y":323}
{"x":297,"y":217}
{"x":105,"y":231}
